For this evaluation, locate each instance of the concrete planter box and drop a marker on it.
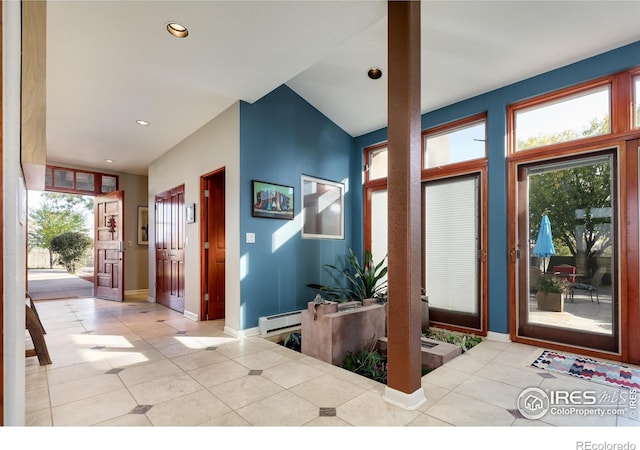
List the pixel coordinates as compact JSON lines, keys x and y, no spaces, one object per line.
{"x":329,"y":333}
{"x":550,"y":301}
{"x":434,"y":353}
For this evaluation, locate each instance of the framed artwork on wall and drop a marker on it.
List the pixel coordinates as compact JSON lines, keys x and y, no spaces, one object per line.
{"x":322,"y":208}
{"x":190,"y":212}
{"x":272,"y":201}
{"x":143,"y":225}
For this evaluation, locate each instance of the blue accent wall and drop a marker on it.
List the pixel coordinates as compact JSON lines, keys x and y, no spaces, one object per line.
{"x":282,"y":137}
{"x":495,"y":104}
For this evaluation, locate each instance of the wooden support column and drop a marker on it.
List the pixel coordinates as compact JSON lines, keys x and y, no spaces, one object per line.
{"x":404,"y":257}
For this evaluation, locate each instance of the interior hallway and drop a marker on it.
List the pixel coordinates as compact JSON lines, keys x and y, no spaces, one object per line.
{"x":142,"y":364}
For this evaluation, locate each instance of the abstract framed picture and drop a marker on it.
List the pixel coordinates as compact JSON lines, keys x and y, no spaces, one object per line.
{"x":322,"y":208}
{"x":272,"y":201}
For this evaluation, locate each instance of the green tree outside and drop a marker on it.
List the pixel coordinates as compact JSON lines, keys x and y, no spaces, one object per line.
{"x":71,"y":247}
{"x":574,"y":198}
{"x":57,"y":214}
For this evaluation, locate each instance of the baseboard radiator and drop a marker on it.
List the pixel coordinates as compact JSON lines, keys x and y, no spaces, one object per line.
{"x":279,"y":321}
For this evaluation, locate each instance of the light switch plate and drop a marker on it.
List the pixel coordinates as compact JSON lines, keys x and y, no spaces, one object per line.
{"x":251,"y":238}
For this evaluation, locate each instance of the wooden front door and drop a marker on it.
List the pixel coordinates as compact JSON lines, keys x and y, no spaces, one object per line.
{"x":214,"y":245}
{"x":170,"y":223}
{"x":109,"y":247}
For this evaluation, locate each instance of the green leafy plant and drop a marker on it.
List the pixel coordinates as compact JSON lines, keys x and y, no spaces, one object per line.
{"x":368,"y":362}
{"x":550,"y":284}
{"x":71,"y":247}
{"x":356,"y":281}
{"x":465,"y":341}
{"x":293,"y":341}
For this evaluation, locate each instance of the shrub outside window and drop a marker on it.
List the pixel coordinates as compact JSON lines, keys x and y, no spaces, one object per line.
{"x":569,"y":118}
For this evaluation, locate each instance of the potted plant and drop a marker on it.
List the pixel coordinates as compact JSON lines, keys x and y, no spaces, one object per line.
{"x":356,"y":281}
{"x":551,"y":292}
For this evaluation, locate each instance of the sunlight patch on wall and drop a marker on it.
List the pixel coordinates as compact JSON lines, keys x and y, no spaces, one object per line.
{"x":244,"y":266}
{"x":286,"y":232}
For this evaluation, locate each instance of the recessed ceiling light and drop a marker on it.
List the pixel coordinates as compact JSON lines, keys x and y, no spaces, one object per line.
{"x":177,"y":29}
{"x":110,"y":161}
{"x":143,"y":123}
{"x":374,"y":73}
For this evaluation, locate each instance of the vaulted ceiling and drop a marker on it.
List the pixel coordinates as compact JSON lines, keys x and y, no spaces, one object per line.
{"x":111,"y":63}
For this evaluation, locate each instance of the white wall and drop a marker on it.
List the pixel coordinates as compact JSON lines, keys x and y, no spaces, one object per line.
{"x":215,"y":145}
{"x":14,"y":223}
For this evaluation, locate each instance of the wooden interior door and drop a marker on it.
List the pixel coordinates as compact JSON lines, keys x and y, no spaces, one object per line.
{"x":109,"y":247}
{"x":214,"y":245}
{"x":170,"y":223}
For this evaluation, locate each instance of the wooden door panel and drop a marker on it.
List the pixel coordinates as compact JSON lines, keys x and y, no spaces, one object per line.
{"x":170,"y":223}
{"x":109,"y":248}
{"x":216,"y":254}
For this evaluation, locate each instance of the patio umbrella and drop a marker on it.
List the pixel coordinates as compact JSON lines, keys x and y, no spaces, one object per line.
{"x":544,"y":244}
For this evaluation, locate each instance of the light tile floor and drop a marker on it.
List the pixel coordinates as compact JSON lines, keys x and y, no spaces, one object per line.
{"x":140,"y":364}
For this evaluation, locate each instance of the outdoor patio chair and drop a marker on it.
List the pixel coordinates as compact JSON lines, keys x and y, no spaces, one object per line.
{"x":566,"y":271}
{"x":592,"y":285}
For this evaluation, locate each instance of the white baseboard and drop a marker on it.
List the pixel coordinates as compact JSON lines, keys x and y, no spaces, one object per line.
{"x":191,"y":316}
{"x":500,"y":337}
{"x":242,"y":333}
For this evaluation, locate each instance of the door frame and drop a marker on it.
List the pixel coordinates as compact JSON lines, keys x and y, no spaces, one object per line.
{"x":629,"y":237}
{"x":609,"y":344}
{"x":628,"y":253}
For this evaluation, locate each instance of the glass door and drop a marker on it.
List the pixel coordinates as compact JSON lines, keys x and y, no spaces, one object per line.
{"x":567,"y":247}
{"x":453,"y":250}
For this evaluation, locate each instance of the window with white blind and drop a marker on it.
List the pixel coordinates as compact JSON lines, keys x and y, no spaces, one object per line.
{"x":452,"y":241}
{"x":379,"y":225}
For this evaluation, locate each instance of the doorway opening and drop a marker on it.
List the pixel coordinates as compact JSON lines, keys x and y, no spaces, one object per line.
{"x":568,"y":290}
{"x":60,"y":221}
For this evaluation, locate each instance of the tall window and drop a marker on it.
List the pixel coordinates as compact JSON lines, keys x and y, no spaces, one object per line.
{"x":452,"y":247}
{"x":453,"y":179}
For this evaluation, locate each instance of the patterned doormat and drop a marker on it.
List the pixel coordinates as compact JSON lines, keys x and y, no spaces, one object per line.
{"x":588,"y":369}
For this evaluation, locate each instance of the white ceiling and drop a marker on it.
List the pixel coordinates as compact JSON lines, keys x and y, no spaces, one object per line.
{"x":110,"y":63}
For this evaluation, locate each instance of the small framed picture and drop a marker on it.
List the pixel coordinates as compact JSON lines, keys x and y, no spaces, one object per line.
{"x":143,"y":225}
{"x":191,"y":212}
{"x":273,"y":201}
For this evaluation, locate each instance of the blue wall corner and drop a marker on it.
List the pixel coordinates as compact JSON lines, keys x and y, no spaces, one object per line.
{"x":281,"y":138}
